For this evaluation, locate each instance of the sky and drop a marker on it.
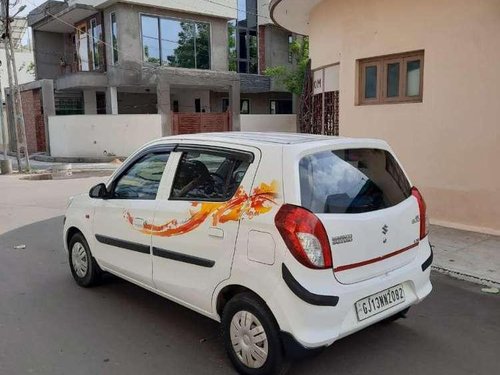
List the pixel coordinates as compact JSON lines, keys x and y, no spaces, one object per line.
{"x":30,"y":5}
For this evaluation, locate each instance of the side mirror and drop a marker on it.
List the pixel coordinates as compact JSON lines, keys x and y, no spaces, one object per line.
{"x":99,"y":191}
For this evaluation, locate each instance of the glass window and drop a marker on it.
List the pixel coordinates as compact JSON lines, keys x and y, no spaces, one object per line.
{"x":243,"y":48}
{"x":96,"y":34}
{"x":225,"y":104}
{"x":247,"y":53}
{"x":245,"y":106}
{"x":114,"y":38}
{"x":207,"y":176}
{"x":392,"y":80}
{"x":253,"y":53}
{"x":290,"y":53}
{"x":242,"y":10}
{"x":281,"y":107}
{"x":243,"y":67}
{"x":351,"y":181}
{"x":413,"y":78}
{"x":273,"y":107}
{"x":142,"y":179}
{"x":232,"y":51}
{"x":251,"y":9}
{"x":184,"y":44}
{"x":370,"y":82}
{"x":150,"y":39}
{"x":202,"y":46}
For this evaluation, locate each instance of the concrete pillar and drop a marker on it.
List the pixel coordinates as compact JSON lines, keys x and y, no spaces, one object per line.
{"x":49,"y":108}
{"x":163,"y":98}
{"x":111,"y":101}
{"x":234,"y":104}
{"x":89,"y":102}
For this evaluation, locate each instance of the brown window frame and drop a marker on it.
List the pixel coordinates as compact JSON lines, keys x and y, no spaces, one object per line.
{"x":381,"y":62}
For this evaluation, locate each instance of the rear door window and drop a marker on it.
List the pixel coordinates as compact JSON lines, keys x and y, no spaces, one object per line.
{"x":351,"y":181}
{"x":207,"y":176}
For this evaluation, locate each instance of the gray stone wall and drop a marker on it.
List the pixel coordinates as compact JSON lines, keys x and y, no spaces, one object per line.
{"x":49,"y":48}
{"x":276,"y":50}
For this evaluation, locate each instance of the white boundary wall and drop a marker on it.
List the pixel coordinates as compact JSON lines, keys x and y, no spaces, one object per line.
{"x":101,"y":135}
{"x":268,"y":123}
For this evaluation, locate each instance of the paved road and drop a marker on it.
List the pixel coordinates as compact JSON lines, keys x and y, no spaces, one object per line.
{"x":48,"y":325}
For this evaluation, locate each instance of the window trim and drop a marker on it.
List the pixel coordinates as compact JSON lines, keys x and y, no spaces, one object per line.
{"x":157,"y":149}
{"x":381,"y":62}
{"x":245,"y":156}
{"x":173,"y":18}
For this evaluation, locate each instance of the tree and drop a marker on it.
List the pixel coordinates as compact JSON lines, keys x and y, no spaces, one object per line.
{"x":29,"y":68}
{"x":150,"y":59}
{"x":231,"y":32}
{"x":193,"y":46}
{"x":293,"y":77}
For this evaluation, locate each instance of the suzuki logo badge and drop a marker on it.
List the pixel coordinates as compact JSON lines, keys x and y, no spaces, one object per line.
{"x":385,"y":229}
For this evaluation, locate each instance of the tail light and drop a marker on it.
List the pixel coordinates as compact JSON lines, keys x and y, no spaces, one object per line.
{"x":422,"y":207}
{"x":305,"y":236}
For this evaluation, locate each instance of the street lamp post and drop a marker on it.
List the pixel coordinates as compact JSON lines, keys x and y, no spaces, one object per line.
{"x":14,"y":85}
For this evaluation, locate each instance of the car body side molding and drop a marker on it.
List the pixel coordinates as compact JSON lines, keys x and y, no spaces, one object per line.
{"x":133,"y":246}
{"x":304,"y":294}
{"x":168,"y":254}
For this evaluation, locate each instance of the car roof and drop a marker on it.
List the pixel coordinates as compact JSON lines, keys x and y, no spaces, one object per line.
{"x":269,"y":138}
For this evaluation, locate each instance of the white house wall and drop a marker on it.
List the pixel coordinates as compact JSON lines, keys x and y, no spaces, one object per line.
{"x":101,"y":135}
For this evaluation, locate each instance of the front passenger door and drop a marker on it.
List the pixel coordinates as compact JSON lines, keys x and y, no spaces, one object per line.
{"x":122,"y":241}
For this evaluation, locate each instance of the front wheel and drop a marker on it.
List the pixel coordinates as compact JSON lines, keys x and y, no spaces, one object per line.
{"x":251,"y":336}
{"x":83,"y":266}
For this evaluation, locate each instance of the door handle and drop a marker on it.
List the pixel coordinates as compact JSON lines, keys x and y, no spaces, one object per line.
{"x":215,"y":232}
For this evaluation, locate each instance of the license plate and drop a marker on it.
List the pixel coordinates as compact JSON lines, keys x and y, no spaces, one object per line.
{"x":381,"y":301}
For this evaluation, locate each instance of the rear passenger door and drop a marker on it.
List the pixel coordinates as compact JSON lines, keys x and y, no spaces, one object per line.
{"x":197,"y":220}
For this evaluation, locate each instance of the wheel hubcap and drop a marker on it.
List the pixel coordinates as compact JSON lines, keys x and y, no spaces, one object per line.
{"x":249,"y":339}
{"x":79,"y":259}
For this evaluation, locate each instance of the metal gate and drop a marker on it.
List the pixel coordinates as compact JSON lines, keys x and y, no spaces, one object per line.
{"x":318,"y":114}
{"x":187,"y":123}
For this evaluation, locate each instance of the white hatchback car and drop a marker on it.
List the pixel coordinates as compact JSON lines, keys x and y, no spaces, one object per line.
{"x":291,"y":241}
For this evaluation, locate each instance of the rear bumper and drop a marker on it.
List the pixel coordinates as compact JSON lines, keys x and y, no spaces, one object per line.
{"x":317,"y":312}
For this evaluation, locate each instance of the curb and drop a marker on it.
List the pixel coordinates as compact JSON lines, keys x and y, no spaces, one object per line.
{"x":466,"y":277}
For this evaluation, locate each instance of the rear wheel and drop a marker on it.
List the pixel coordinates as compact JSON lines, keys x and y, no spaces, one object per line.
{"x":251,"y":336}
{"x":83,"y":266}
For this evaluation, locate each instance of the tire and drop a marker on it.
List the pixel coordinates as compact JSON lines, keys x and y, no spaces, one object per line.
{"x":84,"y":268}
{"x":245,"y":312}
{"x":397,"y":316}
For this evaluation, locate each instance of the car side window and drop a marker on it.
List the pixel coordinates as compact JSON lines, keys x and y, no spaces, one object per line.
{"x":202,"y":175}
{"x":142,"y":179}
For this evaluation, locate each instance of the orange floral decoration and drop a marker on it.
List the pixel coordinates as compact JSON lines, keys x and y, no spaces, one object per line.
{"x":240,"y":206}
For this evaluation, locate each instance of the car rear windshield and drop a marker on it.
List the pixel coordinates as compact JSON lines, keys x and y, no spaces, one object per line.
{"x":351,"y":181}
